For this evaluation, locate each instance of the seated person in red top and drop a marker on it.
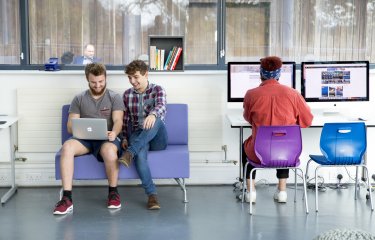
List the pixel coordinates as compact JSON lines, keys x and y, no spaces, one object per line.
{"x":272,"y":104}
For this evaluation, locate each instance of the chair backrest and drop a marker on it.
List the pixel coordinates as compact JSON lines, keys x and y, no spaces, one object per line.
{"x":176,"y":123}
{"x":278,"y":146}
{"x":343,"y":143}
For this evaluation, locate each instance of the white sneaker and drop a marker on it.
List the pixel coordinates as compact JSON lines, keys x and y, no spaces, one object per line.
{"x":253,"y":197}
{"x":280,"y":196}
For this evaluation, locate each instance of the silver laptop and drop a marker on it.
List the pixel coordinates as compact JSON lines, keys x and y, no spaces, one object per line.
{"x":89,"y":128}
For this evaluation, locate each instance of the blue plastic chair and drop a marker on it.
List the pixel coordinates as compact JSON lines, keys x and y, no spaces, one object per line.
{"x":278,"y":147}
{"x":342,"y":145}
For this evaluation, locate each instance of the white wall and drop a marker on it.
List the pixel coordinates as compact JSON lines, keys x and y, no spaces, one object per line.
{"x":206,"y":166}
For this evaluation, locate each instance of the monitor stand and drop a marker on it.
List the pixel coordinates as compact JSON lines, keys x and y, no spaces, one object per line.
{"x":331,"y":112}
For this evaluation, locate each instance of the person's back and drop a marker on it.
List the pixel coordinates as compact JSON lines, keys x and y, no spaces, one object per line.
{"x":272,"y":104}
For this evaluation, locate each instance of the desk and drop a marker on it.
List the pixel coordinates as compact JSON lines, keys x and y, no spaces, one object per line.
{"x":237,"y":121}
{"x":10,"y":123}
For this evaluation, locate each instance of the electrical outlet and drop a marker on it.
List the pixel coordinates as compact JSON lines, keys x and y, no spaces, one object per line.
{"x":33,"y":177}
{"x":4,"y":178}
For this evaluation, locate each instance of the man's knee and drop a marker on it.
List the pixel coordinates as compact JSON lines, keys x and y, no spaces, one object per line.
{"x":108,"y":151}
{"x":71,"y":148}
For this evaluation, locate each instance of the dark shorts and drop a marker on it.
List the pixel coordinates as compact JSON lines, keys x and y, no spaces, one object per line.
{"x":94,"y":146}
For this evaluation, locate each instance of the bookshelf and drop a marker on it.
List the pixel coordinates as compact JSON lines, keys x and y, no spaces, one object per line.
{"x":166,"y":49}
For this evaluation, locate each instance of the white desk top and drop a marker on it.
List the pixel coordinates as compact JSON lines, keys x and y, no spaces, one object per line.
{"x":10,"y":120}
{"x":237,"y":120}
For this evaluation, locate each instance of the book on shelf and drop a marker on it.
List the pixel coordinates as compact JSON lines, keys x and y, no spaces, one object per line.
{"x":152,"y":57}
{"x":159,"y":60}
{"x":178,"y":54}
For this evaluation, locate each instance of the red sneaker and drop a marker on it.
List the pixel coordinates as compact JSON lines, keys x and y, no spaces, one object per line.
{"x":114,"y":200}
{"x":63,"y":206}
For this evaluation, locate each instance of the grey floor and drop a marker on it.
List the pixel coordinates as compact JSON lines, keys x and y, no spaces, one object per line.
{"x":212,"y":213}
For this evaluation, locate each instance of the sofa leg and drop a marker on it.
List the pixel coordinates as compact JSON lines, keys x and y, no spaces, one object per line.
{"x":60,"y":193}
{"x":183,"y":187}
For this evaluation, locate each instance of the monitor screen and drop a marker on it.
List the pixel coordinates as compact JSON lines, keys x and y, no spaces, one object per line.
{"x":243,"y":76}
{"x":335,"y":81}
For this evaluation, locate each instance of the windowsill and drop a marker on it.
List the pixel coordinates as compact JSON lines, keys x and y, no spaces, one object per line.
{"x":112,"y":72}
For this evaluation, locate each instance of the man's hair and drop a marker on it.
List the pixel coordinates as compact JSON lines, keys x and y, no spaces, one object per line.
{"x":88,"y":44}
{"x":271,"y":63}
{"x":95,"y":69}
{"x":136,"y":65}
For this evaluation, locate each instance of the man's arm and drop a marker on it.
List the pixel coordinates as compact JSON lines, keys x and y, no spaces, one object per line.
{"x":69,"y":124}
{"x":160,"y":103}
{"x":117,"y":117}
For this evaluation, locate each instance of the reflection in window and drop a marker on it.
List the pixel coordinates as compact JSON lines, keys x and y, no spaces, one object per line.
{"x":9,"y":32}
{"x":119,"y":29}
{"x":300,"y":30}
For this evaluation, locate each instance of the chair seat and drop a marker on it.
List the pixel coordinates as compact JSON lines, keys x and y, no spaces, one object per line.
{"x":320,"y":159}
{"x":257,"y":165}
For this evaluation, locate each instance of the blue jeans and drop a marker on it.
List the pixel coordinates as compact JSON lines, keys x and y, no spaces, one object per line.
{"x":140,"y":142}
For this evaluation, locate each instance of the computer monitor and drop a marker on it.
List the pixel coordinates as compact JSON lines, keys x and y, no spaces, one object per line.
{"x":335,"y":81}
{"x":243,"y":76}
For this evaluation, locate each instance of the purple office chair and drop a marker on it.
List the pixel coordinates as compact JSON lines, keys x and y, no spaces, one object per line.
{"x":278,"y":147}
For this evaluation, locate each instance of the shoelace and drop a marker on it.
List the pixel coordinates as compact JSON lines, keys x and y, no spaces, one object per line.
{"x":113,"y":196}
{"x":62,"y":202}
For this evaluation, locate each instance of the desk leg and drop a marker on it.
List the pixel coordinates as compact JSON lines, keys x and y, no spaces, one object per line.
{"x":13,"y":188}
{"x":240,"y":163}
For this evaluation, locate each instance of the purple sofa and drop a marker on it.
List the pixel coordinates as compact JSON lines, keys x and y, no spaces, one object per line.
{"x":170,"y":163}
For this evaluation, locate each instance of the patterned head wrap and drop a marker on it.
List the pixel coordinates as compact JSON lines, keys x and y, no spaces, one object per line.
{"x":270,"y":67}
{"x":270,"y":74}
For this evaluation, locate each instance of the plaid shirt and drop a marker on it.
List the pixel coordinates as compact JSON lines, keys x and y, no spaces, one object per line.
{"x":139,"y":105}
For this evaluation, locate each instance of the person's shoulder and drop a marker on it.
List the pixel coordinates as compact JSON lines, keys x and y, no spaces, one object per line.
{"x":83,"y":94}
{"x":156,"y":87}
{"x":128,"y":91}
{"x":78,"y":60}
{"x":112,"y":93}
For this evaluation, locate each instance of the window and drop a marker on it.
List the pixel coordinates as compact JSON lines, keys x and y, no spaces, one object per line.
{"x":119,"y":30}
{"x":9,"y":32}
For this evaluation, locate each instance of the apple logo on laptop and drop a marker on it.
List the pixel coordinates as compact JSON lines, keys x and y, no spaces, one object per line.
{"x":89,"y":129}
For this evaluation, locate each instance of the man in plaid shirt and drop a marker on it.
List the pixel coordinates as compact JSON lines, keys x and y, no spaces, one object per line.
{"x":143,"y":125}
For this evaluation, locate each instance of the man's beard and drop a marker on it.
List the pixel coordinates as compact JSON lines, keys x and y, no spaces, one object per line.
{"x":95,"y":93}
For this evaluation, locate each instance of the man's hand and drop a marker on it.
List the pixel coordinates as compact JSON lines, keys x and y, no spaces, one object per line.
{"x":149,"y":121}
{"x":111,"y":136}
{"x":124,"y":144}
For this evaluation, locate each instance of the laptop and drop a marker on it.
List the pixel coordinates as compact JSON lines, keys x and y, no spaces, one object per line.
{"x":89,"y":128}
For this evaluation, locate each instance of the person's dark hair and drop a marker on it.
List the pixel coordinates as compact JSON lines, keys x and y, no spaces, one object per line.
{"x":271,"y":63}
{"x":67,"y":58}
{"x":95,"y":69}
{"x":136,"y":65}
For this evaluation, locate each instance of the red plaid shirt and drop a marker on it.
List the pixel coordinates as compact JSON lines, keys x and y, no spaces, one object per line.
{"x":139,"y":105}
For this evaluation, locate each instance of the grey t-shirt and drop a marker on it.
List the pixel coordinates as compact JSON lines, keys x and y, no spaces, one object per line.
{"x":88,"y":107}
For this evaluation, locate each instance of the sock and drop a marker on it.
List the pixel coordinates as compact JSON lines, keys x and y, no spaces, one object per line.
{"x":112,"y":189}
{"x":68,"y":194}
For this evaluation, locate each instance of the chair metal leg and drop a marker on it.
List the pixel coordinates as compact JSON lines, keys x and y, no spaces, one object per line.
{"x":368,"y":186}
{"x":251,"y":191}
{"x":183,"y":187}
{"x":316,"y":189}
{"x":304,"y":191}
{"x":307,"y":169}
{"x":356,"y":183}
{"x":244,"y":187}
{"x":295,"y":184}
